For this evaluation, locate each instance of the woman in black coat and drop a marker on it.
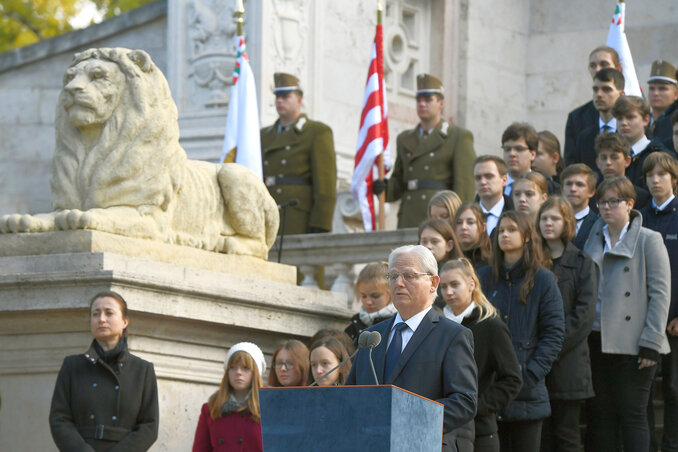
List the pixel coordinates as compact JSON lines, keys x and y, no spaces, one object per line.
{"x":105,"y":399}
{"x":499,"y":378}
{"x":529,"y":302}
{"x":569,"y":382}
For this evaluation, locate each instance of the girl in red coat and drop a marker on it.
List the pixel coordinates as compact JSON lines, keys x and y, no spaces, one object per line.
{"x":230,"y":420}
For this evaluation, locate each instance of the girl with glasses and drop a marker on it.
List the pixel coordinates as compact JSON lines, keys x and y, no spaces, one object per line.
{"x":527,"y":299}
{"x":290,"y":365}
{"x":631,"y":311}
{"x":569,"y":382}
{"x":231,"y":420}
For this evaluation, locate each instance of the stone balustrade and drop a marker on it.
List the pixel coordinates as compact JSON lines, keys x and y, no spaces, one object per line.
{"x":338,"y":254}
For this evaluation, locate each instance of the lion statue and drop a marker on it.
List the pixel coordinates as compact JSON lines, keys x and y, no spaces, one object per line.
{"x":118,"y":166}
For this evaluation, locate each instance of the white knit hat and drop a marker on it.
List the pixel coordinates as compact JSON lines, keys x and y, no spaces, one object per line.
{"x":252,"y":350}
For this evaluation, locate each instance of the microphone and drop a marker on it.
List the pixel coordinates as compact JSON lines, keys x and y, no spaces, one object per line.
{"x":291,"y":203}
{"x":372,"y":341}
{"x":366,"y":339}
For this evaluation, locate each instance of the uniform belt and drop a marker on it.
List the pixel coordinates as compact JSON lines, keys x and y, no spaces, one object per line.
{"x":272,"y":180}
{"x":104,"y":432}
{"x":416,"y":184}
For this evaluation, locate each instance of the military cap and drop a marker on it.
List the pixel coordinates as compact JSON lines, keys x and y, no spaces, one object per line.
{"x":663,"y":72}
{"x":428,"y":85}
{"x":285,"y":83}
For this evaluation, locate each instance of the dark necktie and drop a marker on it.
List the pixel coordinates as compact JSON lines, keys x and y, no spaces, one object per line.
{"x":395,"y":348}
{"x":605,"y":128}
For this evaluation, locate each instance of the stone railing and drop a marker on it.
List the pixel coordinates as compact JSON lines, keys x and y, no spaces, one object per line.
{"x":338,"y":254}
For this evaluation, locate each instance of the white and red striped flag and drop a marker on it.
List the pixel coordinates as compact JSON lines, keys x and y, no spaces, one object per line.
{"x":616,"y":38}
{"x":241,"y":140}
{"x":373,"y":134}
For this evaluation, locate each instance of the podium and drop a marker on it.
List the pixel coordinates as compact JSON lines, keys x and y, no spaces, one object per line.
{"x":349,"y":418}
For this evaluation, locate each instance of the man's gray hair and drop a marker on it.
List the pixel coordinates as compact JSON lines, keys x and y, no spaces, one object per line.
{"x":424,"y":257}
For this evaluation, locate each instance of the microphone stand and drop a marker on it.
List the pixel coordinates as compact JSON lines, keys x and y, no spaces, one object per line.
{"x":315,"y":382}
{"x":374,"y":372}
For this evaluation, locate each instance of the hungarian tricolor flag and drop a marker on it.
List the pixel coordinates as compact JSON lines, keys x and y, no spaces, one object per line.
{"x":616,"y":38}
{"x":241,"y":140}
{"x":373,"y":134}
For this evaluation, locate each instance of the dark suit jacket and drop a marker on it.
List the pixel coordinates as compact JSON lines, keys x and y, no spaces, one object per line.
{"x":437,"y":363}
{"x":585,"y":229}
{"x":584,"y":151}
{"x":635,"y":170}
{"x":580,"y":118}
{"x":663,"y":129}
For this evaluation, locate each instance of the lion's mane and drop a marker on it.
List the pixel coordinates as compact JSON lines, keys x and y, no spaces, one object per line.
{"x":111,"y":173}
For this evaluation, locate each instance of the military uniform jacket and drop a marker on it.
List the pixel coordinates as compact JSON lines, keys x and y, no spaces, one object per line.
{"x":300,"y":163}
{"x":426,"y":165}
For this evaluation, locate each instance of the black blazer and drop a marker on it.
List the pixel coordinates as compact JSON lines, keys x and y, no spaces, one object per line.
{"x":663,"y":129}
{"x":580,"y":118}
{"x":585,"y":229}
{"x":437,"y":363}
{"x":584,"y":149}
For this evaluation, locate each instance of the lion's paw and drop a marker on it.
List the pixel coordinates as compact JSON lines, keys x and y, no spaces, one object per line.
{"x":17,"y":222}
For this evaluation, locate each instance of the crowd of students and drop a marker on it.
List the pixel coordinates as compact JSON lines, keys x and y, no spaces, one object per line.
{"x":563,"y":273}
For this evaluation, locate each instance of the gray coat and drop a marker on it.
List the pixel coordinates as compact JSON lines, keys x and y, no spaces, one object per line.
{"x":635,"y":283}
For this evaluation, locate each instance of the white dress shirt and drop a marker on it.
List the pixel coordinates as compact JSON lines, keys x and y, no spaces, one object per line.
{"x":412,"y":325}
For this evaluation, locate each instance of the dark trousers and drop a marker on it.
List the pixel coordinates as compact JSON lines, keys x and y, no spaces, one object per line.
{"x":620,"y":405}
{"x":520,"y":436}
{"x":670,"y":390}
{"x":560,"y":432}
{"x":487,"y":443}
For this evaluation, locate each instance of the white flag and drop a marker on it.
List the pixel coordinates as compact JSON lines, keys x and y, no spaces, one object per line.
{"x":616,"y":38}
{"x":242,"y":143}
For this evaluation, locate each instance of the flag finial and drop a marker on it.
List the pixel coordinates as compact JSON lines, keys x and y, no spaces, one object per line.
{"x":380,"y":8}
{"x":239,"y":11}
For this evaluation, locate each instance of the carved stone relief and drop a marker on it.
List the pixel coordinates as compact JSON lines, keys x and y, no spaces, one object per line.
{"x":405,"y":44}
{"x":290,"y":31}
{"x":211,"y":51}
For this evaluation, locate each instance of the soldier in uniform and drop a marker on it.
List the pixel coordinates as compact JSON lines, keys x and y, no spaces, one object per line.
{"x":431,"y":157}
{"x":299,"y":161}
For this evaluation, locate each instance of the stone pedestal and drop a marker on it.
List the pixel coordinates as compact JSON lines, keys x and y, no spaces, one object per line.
{"x":183,"y":317}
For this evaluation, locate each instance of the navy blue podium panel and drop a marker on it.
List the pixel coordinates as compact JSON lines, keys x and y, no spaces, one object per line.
{"x":349,"y":418}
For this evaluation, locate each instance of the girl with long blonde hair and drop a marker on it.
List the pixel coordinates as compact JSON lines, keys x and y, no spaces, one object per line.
{"x":499,"y":378}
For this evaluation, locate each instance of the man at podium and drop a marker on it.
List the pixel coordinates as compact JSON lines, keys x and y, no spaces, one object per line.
{"x":421,"y":351}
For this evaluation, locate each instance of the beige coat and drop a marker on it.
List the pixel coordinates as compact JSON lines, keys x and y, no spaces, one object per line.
{"x":635,"y":286}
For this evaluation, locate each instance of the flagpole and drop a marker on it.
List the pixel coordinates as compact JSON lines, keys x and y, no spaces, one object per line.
{"x":239,"y":11}
{"x":380,"y":160}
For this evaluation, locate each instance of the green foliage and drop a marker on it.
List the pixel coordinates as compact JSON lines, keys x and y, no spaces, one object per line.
{"x":24,"y":22}
{"x":112,"y":8}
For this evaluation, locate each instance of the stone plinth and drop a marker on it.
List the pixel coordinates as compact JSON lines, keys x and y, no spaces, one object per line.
{"x":182,"y":318}
{"x":88,"y":241}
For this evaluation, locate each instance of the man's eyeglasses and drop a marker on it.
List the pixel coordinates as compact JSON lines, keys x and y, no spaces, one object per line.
{"x":407,"y":276}
{"x":612,"y":203}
